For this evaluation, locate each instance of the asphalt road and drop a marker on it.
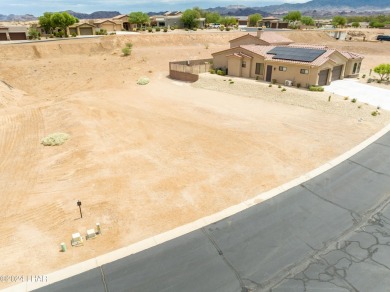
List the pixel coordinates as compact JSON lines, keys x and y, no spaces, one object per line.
{"x":331,"y":233}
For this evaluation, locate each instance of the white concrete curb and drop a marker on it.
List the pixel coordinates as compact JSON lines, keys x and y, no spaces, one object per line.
{"x":187,"y":228}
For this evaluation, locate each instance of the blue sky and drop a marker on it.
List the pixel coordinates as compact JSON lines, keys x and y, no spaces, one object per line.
{"x":37,"y":7}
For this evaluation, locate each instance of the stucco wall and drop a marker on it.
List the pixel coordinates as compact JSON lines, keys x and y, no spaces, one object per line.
{"x":183,"y":76}
{"x":234,"y":66}
{"x":293,"y":74}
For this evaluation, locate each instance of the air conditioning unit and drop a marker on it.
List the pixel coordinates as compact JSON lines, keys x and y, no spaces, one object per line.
{"x":288,"y":83}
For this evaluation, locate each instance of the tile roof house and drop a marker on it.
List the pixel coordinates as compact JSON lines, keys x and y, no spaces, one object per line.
{"x":108,"y":25}
{"x":262,"y":38}
{"x":13,"y":33}
{"x":272,"y":22}
{"x":289,"y":64}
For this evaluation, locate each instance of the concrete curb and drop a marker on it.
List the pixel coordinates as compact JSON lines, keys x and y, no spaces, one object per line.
{"x":187,"y":228}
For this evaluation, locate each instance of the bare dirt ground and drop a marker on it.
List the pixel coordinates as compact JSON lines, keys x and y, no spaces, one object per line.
{"x":146,"y":159}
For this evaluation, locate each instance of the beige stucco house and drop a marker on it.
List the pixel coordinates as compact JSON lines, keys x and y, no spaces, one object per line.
{"x":123,"y":19}
{"x":264,"y":38}
{"x":13,"y":33}
{"x":81,"y":29}
{"x":292,"y":64}
{"x":272,"y":22}
{"x":108,"y":25}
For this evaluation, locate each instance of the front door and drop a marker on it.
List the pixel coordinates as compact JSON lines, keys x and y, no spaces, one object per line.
{"x":269,"y":73}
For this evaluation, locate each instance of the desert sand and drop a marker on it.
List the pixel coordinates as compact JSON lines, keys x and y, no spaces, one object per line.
{"x":145,"y":159}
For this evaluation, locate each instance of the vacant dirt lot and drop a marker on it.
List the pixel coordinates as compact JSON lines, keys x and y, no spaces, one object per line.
{"x":145,"y":159}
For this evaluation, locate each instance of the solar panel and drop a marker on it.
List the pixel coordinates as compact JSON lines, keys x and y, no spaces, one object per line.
{"x":296,"y":54}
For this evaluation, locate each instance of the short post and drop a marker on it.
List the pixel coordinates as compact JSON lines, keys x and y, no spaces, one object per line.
{"x":79,"y":204}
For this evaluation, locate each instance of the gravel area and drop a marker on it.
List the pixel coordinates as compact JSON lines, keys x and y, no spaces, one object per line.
{"x":338,"y":105}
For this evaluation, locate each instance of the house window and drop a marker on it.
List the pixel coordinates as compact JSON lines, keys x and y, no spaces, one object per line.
{"x":354,"y":68}
{"x":243,"y":64}
{"x":304,"y":71}
{"x":259,"y":69}
{"x":282,"y":68}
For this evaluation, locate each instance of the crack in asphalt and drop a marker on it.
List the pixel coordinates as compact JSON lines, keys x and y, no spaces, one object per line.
{"x":103,"y":279}
{"x":370,"y":169}
{"x":332,"y":267}
{"x":227,"y":262}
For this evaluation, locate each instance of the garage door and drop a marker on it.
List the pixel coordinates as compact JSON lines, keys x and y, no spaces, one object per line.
{"x":336,"y":72}
{"x":85,"y":31}
{"x":323,"y":77}
{"x":17,"y":36}
{"x":3,"y":36}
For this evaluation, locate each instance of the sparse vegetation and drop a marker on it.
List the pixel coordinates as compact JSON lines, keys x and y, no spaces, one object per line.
{"x":220,"y":72}
{"x":298,"y":85}
{"x":316,"y":88}
{"x":346,"y":98}
{"x":329,"y":98}
{"x":126,"y":51}
{"x":284,"y":89}
{"x":353,"y":100}
{"x":273,"y":81}
{"x":55,"y":139}
{"x":212,"y":71}
{"x":143,"y":81}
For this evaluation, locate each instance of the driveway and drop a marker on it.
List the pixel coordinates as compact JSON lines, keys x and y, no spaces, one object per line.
{"x":362,"y":92}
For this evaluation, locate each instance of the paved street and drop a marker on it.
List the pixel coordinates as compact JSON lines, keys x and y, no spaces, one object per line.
{"x":331,"y":233}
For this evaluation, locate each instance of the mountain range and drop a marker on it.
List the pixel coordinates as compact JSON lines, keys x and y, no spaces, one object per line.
{"x":316,"y":8}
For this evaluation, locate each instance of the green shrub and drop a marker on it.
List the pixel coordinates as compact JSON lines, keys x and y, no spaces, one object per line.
{"x":143,"y":81}
{"x":212,"y":71}
{"x":231,"y":82}
{"x":273,"y":81}
{"x":220,"y":72}
{"x":150,"y":29}
{"x":55,"y":139}
{"x":298,"y":85}
{"x":316,"y":88}
{"x":73,"y":34}
{"x":227,"y":28}
{"x":158,"y":28}
{"x":126,"y":51}
{"x":129,"y":45}
{"x":165,"y":29}
{"x":353,"y":100}
{"x":279,"y":86}
{"x":194,"y":29}
{"x":346,"y":98}
{"x":172,"y":27}
{"x":284,"y":89}
{"x":102,"y":32}
{"x":364,"y":76}
{"x":374,"y":113}
{"x":269,"y":85}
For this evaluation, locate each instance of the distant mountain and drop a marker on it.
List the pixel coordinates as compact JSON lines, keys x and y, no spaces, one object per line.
{"x":13,"y":17}
{"x":94,"y":15}
{"x":331,"y":6}
{"x":237,"y":10}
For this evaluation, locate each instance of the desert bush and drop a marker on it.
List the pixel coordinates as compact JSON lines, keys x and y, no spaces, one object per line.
{"x":316,"y":88}
{"x":227,"y":28}
{"x":273,"y":81}
{"x":231,"y":82}
{"x":55,"y":139}
{"x":73,"y":34}
{"x":374,"y":113}
{"x":158,"y":29}
{"x":284,"y":89}
{"x":194,"y":29}
{"x":165,"y":29}
{"x":129,"y":45}
{"x":353,"y":100}
{"x":270,"y":85}
{"x":143,"y":81}
{"x":364,"y":76}
{"x":102,"y":32}
{"x":298,"y":85}
{"x":279,"y":86}
{"x":186,"y":29}
{"x":126,"y":51}
{"x":220,"y":72}
{"x":212,"y":71}
{"x":150,"y":29}
{"x":346,"y":98}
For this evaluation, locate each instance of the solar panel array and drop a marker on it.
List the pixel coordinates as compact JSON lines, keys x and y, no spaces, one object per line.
{"x":296,"y":54}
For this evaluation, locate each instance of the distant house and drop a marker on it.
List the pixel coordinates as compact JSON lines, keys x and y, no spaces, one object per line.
{"x":108,"y":25}
{"x":241,"y":20}
{"x":82,"y":29}
{"x":173,"y":19}
{"x":13,"y":33}
{"x":123,"y":19}
{"x":265,"y":38}
{"x":272,"y":22}
{"x":290,"y":64}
